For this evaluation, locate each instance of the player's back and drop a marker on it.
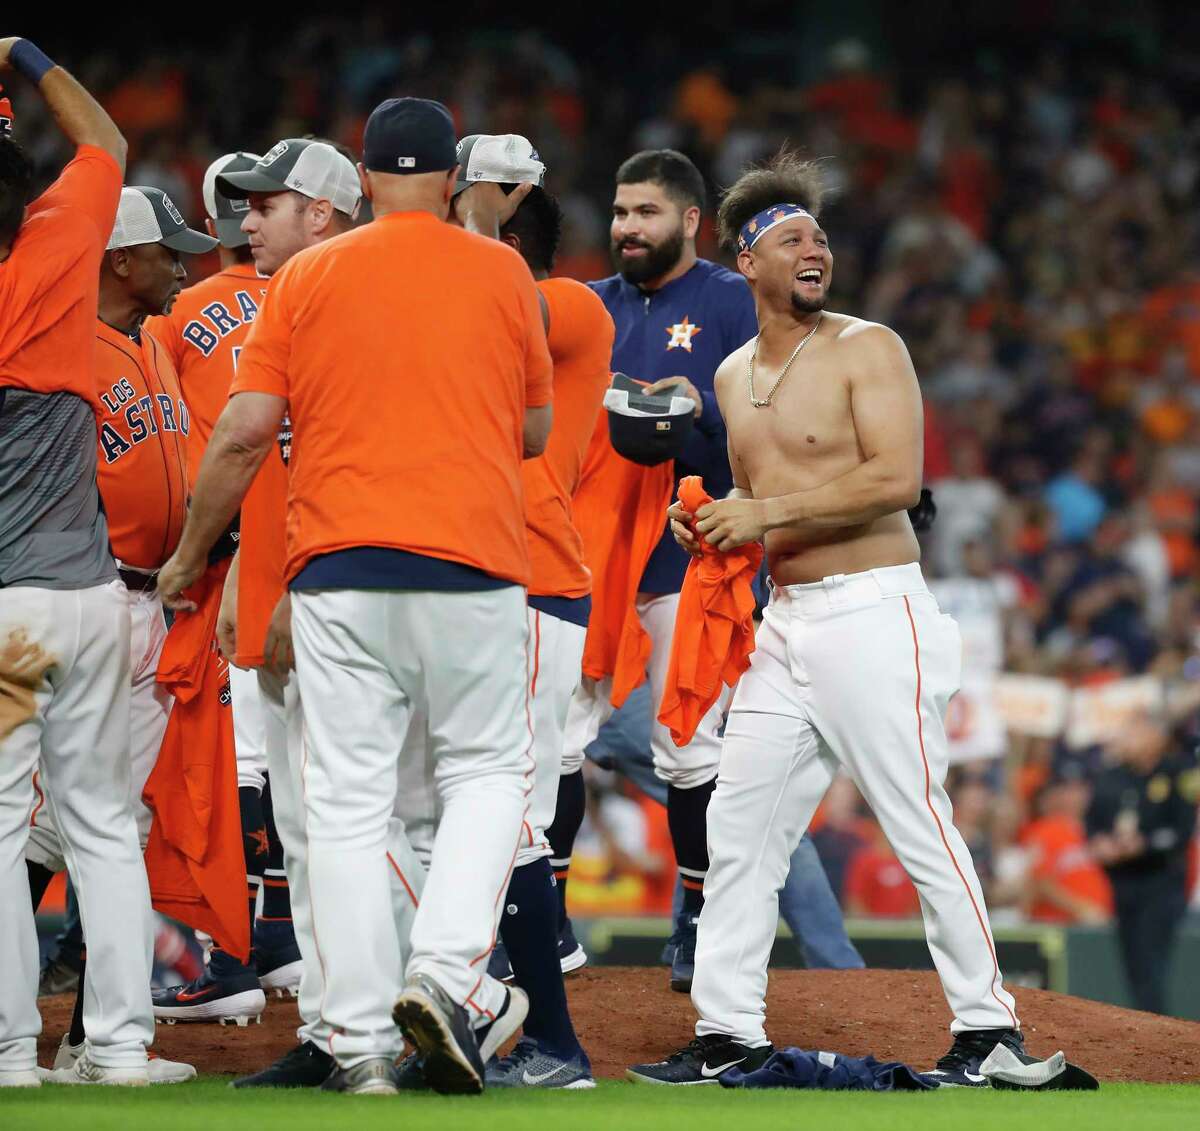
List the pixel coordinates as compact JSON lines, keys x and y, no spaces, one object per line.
{"x":580,"y":339}
{"x":203,"y":335}
{"x":408,"y":347}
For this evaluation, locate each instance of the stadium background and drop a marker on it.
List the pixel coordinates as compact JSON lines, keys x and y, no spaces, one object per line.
{"x":1015,"y":194}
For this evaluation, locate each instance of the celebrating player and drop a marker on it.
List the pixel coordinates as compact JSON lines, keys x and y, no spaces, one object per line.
{"x":854,"y":664}
{"x":64,"y":613}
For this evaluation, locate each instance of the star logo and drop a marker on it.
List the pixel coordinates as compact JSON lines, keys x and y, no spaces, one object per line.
{"x":682,"y":334}
{"x":259,"y":837}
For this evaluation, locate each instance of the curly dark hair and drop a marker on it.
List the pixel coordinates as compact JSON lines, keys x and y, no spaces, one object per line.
{"x":785,"y":179}
{"x":538,"y":224}
{"x":16,"y":179}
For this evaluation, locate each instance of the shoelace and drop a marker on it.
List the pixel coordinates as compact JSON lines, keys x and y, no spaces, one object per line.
{"x":524,"y":1050}
{"x":965,"y":1050}
{"x":699,"y":1046}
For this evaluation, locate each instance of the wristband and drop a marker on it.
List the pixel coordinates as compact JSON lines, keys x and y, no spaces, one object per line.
{"x":28,"y":60}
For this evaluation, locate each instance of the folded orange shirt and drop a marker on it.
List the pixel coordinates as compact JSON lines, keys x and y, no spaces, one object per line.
{"x":619,"y":511}
{"x":714,"y":626}
{"x":194,"y":857}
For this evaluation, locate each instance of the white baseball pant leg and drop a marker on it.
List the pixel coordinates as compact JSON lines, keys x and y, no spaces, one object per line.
{"x":686,"y":767}
{"x":249,"y":729}
{"x":149,"y":709}
{"x":64,"y":672}
{"x":855,"y":671}
{"x":364,"y":658}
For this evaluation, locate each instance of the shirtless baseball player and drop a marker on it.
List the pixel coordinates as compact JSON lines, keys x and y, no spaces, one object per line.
{"x":854,"y":663}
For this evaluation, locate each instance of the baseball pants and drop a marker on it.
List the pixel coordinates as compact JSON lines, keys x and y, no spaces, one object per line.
{"x":64,"y":710}
{"x":249,"y":726}
{"x":149,"y":708}
{"x":685,"y":767}
{"x":366,"y":660}
{"x":855,"y":672}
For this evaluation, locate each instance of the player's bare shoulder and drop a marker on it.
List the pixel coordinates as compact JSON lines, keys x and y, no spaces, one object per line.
{"x":727,"y":374}
{"x":868,"y":348}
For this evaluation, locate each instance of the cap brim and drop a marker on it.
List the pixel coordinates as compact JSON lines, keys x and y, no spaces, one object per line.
{"x":238,"y":186}
{"x":189,"y":242}
{"x":230,"y":233}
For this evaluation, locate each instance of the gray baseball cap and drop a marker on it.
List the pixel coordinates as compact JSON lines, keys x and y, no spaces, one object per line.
{"x":505,"y":159}
{"x":147,"y":215}
{"x":225,"y":212}
{"x":312,"y":168}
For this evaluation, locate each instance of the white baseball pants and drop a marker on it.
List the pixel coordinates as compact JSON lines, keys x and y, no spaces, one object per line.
{"x":149,"y":708}
{"x":64,"y":710}
{"x":365,"y":661}
{"x":853,"y":672}
{"x":685,"y":767}
{"x":249,"y":729}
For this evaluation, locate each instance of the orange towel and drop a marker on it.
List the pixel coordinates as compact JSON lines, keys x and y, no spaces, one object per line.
{"x":714,"y":627}
{"x":194,"y":858}
{"x":620,"y":512}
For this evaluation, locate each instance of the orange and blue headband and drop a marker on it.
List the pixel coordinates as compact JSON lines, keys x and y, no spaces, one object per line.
{"x":757,"y":226}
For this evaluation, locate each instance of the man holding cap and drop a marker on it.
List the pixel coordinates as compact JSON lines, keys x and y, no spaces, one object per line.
{"x":143,"y":484}
{"x":204,"y":333}
{"x":413,"y":400}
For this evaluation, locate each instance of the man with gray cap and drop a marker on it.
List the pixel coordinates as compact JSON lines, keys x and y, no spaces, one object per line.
{"x":406,"y":556}
{"x":143,"y":485}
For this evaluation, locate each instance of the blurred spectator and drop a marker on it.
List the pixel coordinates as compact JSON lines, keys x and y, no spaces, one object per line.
{"x":877,"y":884}
{"x":1075,"y":499}
{"x":1140,"y":824}
{"x":839,"y":831}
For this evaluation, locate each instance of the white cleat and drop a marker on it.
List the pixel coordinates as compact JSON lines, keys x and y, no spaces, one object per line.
{"x":284,"y":981}
{"x":84,"y":1070}
{"x":159,"y":1069}
{"x":21,"y":1077}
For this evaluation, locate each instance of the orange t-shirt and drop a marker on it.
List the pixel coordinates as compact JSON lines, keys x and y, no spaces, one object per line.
{"x":1058,"y":851}
{"x":204,"y":334}
{"x":142,"y":465}
{"x":407,"y":391}
{"x":49,"y":284}
{"x":580,"y":339}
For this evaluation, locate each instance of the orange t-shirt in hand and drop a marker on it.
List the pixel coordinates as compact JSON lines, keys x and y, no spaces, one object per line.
{"x":194,"y":858}
{"x":50,"y":282}
{"x":261,"y":558}
{"x":580,"y":340}
{"x":618,"y":510}
{"x":406,"y":390}
{"x":204,"y":334}
{"x":141,"y":467}
{"x":714,"y":626}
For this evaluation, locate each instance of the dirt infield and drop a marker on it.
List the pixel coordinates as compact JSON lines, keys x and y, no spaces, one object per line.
{"x":627,"y":1014}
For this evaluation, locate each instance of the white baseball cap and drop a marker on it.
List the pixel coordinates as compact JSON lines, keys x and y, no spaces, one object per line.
{"x":505,"y":159}
{"x":312,"y":168}
{"x":226,"y":214}
{"x":147,"y":215}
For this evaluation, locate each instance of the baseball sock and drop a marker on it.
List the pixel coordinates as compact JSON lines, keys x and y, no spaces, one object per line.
{"x":75,"y":1033}
{"x":687,"y":816}
{"x":39,"y":880}
{"x":254,"y":845}
{"x":528,"y":930}
{"x":277,"y":897}
{"x":568,"y":816}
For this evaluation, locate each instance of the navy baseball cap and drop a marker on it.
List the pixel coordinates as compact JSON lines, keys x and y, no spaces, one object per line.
{"x":647,"y":429}
{"x":410,"y":135}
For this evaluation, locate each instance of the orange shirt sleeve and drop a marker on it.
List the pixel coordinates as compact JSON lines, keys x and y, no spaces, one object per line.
{"x":90,"y":185}
{"x":263,"y":364}
{"x":539,"y":369}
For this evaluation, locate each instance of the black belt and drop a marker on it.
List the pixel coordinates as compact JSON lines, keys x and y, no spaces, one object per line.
{"x":137,"y":582}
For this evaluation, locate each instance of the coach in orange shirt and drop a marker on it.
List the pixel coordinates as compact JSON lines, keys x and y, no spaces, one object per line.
{"x":413,"y":398}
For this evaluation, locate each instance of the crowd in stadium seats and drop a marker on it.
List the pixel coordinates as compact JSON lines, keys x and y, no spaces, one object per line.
{"x":1033,"y":236}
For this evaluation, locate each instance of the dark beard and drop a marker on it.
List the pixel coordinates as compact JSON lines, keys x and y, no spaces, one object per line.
{"x":658,"y":260}
{"x":807,"y":305}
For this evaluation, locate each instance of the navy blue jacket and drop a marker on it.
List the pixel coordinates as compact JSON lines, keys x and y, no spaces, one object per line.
{"x":685,"y":329}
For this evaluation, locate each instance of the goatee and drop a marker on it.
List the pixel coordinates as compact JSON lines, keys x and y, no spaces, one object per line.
{"x":658,"y":260}
{"x":808,"y":305}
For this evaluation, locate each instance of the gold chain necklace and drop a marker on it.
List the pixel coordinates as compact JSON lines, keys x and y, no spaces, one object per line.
{"x":782,"y":373}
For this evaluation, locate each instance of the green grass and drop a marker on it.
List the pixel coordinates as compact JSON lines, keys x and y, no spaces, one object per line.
{"x":208,"y":1105}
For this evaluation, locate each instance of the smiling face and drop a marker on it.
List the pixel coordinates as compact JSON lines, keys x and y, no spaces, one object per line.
{"x":649,"y":231}
{"x":791,"y":266}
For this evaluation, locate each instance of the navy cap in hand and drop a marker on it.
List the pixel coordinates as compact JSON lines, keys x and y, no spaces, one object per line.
{"x":410,"y":135}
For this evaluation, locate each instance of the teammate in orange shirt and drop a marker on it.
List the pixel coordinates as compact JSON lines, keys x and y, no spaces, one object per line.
{"x":499,"y":194}
{"x":204,"y":333}
{"x":141,"y":472}
{"x":408,"y":559}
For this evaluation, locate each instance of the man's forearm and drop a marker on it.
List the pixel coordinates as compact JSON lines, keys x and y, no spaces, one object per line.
{"x":863,"y":494}
{"x":226,"y":472}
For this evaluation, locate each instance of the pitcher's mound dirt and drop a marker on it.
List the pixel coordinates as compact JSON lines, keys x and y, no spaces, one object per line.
{"x":627,"y":1015}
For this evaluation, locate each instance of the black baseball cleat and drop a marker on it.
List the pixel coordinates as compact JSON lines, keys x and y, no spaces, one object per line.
{"x":305,"y":1066}
{"x":432,"y":1021}
{"x":704,"y":1061}
{"x":960,"y":1067}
